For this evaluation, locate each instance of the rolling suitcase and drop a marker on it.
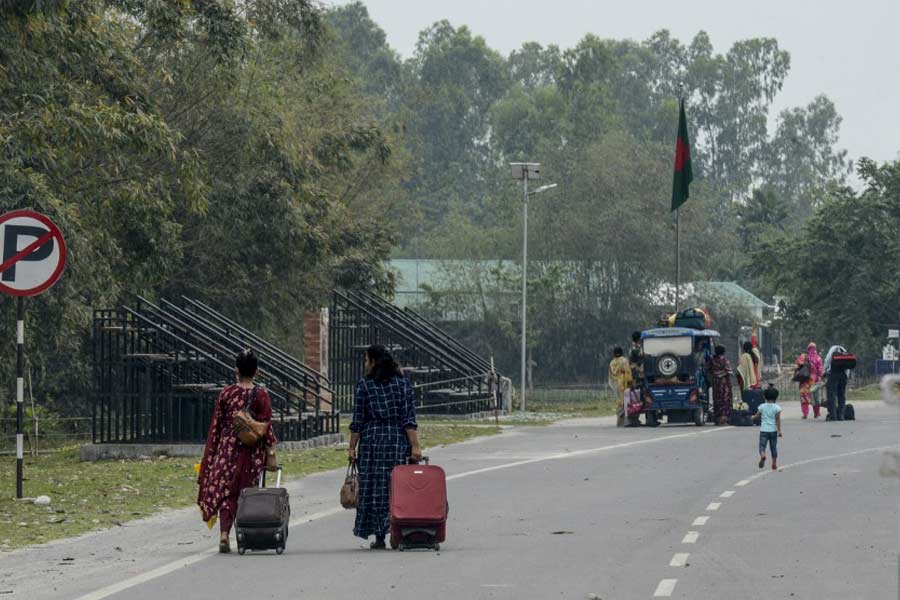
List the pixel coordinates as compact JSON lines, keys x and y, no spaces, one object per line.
{"x":262,"y":517}
{"x":418,"y":506}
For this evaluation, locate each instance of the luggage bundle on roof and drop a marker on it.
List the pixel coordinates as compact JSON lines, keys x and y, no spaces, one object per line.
{"x":690,"y":318}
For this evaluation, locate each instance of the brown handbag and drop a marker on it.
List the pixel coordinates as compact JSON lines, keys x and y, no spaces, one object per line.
{"x":249,"y":430}
{"x":350,"y":489}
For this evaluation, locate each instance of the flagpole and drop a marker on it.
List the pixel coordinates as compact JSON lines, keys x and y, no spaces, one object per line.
{"x":677,"y":255}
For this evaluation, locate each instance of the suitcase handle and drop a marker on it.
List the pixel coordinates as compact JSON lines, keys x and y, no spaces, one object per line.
{"x":412,"y":461}
{"x":262,"y":477}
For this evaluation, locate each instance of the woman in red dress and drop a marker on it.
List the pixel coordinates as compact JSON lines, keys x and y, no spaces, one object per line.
{"x":229,"y":466}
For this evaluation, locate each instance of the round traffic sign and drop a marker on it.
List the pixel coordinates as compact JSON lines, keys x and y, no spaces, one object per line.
{"x":32,"y":253}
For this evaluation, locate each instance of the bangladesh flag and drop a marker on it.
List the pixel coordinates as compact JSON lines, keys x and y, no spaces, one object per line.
{"x":683,"y":174}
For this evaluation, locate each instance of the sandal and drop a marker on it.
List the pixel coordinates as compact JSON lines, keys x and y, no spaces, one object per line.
{"x":224,"y":547}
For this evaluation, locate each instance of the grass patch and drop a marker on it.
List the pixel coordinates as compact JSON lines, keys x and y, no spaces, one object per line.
{"x":865,"y":393}
{"x":87,"y":496}
{"x":567,"y":402}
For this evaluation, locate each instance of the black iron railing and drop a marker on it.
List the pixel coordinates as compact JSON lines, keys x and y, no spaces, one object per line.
{"x":448,"y":377}
{"x":159,"y":367}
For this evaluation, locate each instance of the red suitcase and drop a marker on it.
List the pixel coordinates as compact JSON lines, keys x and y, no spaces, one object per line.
{"x":418,"y":506}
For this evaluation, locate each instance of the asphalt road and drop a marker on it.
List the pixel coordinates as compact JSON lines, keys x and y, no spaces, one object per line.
{"x":577,"y":510}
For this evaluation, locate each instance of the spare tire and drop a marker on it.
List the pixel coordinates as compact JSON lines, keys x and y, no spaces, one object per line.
{"x":667,"y":365}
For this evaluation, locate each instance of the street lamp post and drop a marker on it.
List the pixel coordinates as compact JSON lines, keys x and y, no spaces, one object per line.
{"x":526,"y":172}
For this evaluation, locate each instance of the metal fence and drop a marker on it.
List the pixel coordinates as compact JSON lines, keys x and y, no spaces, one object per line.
{"x":448,"y":377}
{"x":158,"y":369}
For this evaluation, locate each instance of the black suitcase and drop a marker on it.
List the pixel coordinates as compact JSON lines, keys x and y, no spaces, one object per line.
{"x":849,"y":413}
{"x":741,"y":418}
{"x":262,"y":517}
{"x":752,"y":398}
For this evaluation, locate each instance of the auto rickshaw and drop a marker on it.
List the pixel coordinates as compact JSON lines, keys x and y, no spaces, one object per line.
{"x":675,"y":382}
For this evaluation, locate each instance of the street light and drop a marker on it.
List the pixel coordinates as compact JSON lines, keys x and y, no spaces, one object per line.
{"x":526,"y":172}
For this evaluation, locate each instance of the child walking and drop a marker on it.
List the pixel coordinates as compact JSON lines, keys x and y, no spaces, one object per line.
{"x":770,"y":426}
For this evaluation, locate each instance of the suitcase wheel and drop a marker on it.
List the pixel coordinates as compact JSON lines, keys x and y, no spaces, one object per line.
{"x":242,"y":550}
{"x":279,"y":550}
{"x":436,"y":547}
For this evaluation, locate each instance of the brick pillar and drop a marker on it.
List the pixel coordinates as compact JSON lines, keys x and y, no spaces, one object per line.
{"x":315,"y":340}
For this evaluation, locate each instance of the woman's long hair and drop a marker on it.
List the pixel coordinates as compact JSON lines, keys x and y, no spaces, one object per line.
{"x":384,"y":367}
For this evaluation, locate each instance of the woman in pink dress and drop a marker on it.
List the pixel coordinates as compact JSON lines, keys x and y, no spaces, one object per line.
{"x":228,"y":465}
{"x":816,"y":369}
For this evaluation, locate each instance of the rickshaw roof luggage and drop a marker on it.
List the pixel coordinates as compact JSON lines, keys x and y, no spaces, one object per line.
{"x":663,"y":332}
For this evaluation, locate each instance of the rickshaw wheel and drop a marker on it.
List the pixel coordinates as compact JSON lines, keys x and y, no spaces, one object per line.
{"x":698,"y":417}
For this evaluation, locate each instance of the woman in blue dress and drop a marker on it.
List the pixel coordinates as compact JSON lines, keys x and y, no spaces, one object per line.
{"x":383,"y":435}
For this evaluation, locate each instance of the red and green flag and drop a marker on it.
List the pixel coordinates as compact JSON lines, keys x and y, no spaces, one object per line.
{"x":683,"y":173}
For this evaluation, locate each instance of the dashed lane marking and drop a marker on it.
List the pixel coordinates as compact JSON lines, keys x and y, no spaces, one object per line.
{"x":727,"y":494}
{"x":665,"y":588}
{"x":691,"y":537}
{"x":742,"y":483}
{"x":699,"y":521}
{"x":714,"y":506}
{"x":679,"y":560}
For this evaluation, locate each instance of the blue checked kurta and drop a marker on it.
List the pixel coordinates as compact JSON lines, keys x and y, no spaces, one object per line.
{"x":381,"y":416}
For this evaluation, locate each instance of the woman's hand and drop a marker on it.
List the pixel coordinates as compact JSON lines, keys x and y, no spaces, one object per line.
{"x":351,"y":453}
{"x":416,"y":453}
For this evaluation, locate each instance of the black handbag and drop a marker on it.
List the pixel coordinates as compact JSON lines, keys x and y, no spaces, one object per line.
{"x":803,"y":373}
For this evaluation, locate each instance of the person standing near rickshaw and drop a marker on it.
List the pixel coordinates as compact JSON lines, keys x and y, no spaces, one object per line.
{"x":620,"y":375}
{"x":723,"y":399}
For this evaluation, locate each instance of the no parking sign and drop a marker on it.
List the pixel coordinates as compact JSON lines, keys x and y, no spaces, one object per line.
{"x":33,"y":253}
{"x":32,"y":257}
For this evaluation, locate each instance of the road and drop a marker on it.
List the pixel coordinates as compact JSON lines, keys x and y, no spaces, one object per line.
{"x":575,"y":510}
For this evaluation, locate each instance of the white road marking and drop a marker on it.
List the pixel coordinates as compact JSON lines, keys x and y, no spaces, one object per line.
{"x":496,"y":585}
{"x":115,"y":588}
{"x":700,"y":521}
{"x":564,"y":455}
{"x":665,"y":588}
{"x":822,"y":458}
{"x":742,"y":483}
{"x":679,"y":560}
{"x":727,"y":494}
{"x":714,"y":506}
{"x":148,"y":576}
{"x":691,"y":537}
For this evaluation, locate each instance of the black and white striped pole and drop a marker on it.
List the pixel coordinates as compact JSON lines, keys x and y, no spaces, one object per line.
{"x":20,"y":392}
{"x":32,"y":258}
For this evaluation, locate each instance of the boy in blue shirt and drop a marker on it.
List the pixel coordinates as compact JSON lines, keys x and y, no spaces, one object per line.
{"x":770,"y":427}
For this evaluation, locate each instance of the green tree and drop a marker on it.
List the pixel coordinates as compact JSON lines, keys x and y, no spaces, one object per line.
{"x":838,"y":275}
{"x":802,"y":158}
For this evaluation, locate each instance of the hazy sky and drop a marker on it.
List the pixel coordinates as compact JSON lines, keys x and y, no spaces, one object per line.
{"x":849,"y":50}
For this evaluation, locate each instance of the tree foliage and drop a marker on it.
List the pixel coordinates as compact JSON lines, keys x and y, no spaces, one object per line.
{"x":838,"y":275}
{"x":600,"y":117}
{"x":215,"y":148}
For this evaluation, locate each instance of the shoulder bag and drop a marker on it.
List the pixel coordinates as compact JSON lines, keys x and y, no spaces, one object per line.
{"x":249,"y":430}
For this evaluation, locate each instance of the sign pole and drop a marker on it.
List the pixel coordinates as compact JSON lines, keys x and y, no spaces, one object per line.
{"x":20,"y":390}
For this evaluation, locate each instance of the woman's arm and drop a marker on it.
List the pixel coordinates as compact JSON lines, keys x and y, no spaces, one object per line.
{"x":354,"y":444}
{"x":409,"y":420}
{"x":262,"y":410}
{"x":413,"y":436}
{"x":359,"y":419}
